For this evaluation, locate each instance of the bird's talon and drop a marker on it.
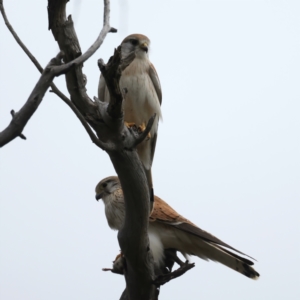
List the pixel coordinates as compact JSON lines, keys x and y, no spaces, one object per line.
{"x":142,"y":128}
{"x":130,"y":124}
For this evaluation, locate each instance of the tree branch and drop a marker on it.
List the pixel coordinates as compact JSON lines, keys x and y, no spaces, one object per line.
{"x":164,"y":278}
{"x":107,"y":121}
{"x":18,"y":40}
{"x":164,"y":274}
{"x":21,"y":118}
{"x":53,"y":86}
{"x":10,"y":133}
{"x":95,"y":140}
{"x":28,"y":53}
{"x":124,"y":295}
{"x":65,"y":35}
{"x":21,"y":135}
{"x":133,"y":237}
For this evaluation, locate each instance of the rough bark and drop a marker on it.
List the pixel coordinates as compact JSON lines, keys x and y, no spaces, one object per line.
{"x":120,"y":143}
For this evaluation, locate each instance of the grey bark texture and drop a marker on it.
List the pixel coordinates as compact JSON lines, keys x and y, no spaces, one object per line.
{"x":119,"y":143}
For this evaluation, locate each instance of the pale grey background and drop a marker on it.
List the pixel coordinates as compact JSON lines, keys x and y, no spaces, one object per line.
{"x":227,"y":156}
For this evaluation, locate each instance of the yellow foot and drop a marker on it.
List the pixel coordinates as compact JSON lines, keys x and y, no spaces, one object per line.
{"x":129,"y":124}
{"x":141,"y":128}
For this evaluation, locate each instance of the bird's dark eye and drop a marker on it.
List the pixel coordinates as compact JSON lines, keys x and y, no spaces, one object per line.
{"x":104,"y":185}
{"x":134,"y":42}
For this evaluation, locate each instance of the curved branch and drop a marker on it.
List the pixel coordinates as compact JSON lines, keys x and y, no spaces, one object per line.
{"x":164,"y":278}
{"x":27,"y":52}
{"x":21,"y":118}
{"x":95,"y":140}
{"x":18,"y":40}
{"x":65,"y":35}
{"x":85,"y":56}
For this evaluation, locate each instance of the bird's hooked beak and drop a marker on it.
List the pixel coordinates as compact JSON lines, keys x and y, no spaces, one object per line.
{"x":144,"y":47}
{"x":99,"y":196}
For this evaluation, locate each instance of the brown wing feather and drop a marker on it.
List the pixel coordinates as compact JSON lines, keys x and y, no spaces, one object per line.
{"x":162,"y":212}
{"x":206,"y":236}
{"x":155,"y":80}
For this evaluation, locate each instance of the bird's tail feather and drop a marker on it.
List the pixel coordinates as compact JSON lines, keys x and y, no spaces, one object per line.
{"x":207,"y":250}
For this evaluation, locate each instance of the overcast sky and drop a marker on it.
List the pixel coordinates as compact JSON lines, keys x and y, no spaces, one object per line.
{"x":227,"y":154}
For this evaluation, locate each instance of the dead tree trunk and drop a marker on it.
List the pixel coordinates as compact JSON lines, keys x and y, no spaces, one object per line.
{"x":104,"y":124}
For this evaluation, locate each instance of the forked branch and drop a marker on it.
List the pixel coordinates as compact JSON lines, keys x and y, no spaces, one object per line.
{"x":21,"y":118}
{"x":28,"y":53}
{"x":112,"y":136}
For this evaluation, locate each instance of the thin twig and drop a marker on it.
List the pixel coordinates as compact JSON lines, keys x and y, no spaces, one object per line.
{"x":18,"y":40}
{"x":105,"y":30}
{"x":52,"y":85}
{"x":28,"y":53}
{"x":95,"y":140}
{"x":20,"y":119}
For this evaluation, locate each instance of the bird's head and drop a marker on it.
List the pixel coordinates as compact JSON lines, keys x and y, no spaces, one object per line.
{"x":137,"y":43}
{"x":107,"y":186}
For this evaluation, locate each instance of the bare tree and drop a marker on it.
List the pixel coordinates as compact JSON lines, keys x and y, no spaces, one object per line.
{"x":104,"y":124}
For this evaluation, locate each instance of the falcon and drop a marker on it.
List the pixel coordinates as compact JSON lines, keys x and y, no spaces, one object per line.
{"x":143,"y":98}
{"x":169,"y":230}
